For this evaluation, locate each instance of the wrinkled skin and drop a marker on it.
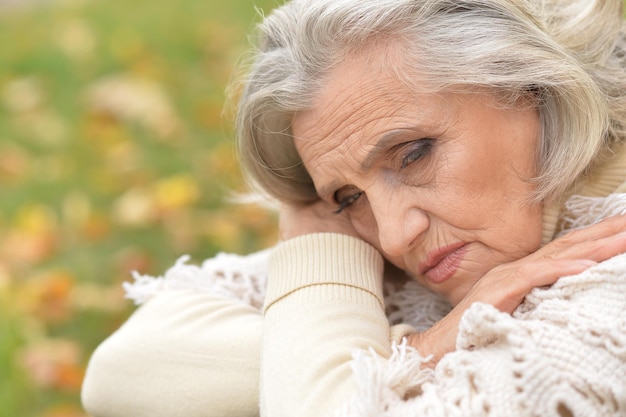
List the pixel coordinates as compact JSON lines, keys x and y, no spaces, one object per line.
{"x":438,"y":183}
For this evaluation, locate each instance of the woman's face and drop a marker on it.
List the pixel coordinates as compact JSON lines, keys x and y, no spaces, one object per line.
{"x":436,"y":182}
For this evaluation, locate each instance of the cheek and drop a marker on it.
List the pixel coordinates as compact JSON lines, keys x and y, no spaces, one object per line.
{"x":489,"y":178}
{"x":364,"y":223}
{"x":480,"y":193}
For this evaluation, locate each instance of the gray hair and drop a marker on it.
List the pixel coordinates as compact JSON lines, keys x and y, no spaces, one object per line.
{"x":568,"y":56}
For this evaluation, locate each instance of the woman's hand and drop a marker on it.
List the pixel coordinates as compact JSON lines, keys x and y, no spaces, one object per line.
{"x":318,"y":217}
{"x":505,"y":286}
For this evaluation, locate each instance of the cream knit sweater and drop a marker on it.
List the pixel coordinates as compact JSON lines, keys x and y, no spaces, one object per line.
{"x":194,"y":348}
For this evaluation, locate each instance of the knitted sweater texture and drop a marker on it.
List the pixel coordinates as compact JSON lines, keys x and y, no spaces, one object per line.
{"x":563,"y":353}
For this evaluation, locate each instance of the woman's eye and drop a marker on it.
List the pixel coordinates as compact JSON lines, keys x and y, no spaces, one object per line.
{"x":346,"y":201}
{"x":417,"y":151}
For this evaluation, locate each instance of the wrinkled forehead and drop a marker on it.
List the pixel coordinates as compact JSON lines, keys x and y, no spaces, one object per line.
{"x":358,"y":108}
{"x":355,"y":90}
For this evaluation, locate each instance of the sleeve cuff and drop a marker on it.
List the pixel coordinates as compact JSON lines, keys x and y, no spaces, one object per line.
{"x":324,"y":258}
{"x":399,"y":332}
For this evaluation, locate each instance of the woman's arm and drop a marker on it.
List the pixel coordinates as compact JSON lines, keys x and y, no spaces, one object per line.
{"x":184,"y":353}
{"x":324,"y":301}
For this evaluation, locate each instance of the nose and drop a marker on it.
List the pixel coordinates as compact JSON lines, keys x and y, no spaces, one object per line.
{"x":399,"y":220}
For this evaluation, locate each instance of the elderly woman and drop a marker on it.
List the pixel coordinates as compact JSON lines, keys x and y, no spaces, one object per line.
{"x":443,"y":137}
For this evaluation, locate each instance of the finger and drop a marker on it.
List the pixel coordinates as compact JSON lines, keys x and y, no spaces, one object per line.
{"x":548,"y":271}
{"x":599,"y":249}
{"x":506,"y":286}
{"x":606,"y":227}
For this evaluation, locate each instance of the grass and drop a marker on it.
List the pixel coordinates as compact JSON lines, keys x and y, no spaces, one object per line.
{"x":90,"y":190}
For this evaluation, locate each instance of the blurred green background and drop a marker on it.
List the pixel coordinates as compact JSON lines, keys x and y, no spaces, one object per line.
{"x":114,"y":156}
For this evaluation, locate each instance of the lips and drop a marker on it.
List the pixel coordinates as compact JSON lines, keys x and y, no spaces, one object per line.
{"x":443,"y":262}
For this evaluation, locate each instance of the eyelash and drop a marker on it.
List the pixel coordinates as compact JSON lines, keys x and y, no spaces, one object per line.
{"x":347,"y":201}
{"x":420,"y":149}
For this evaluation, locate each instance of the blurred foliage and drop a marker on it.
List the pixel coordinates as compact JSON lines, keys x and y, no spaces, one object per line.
{"x":114,"y":156}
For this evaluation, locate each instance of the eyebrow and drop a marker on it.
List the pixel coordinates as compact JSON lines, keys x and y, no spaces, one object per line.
{"x":380,"y":148}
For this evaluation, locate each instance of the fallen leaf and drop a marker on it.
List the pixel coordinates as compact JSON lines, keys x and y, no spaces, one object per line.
{"x":53,"y":363}
{"x":134,"y":99}
{"x":27,"y":248}
{"x":135,"y":208}
{"x":76,"y":39}
{"x":109,"y":299}
{"x":176,"y":192}
{"x":47,"y":296}
{"x":23,"y":94}
{"x":15,"y":162}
